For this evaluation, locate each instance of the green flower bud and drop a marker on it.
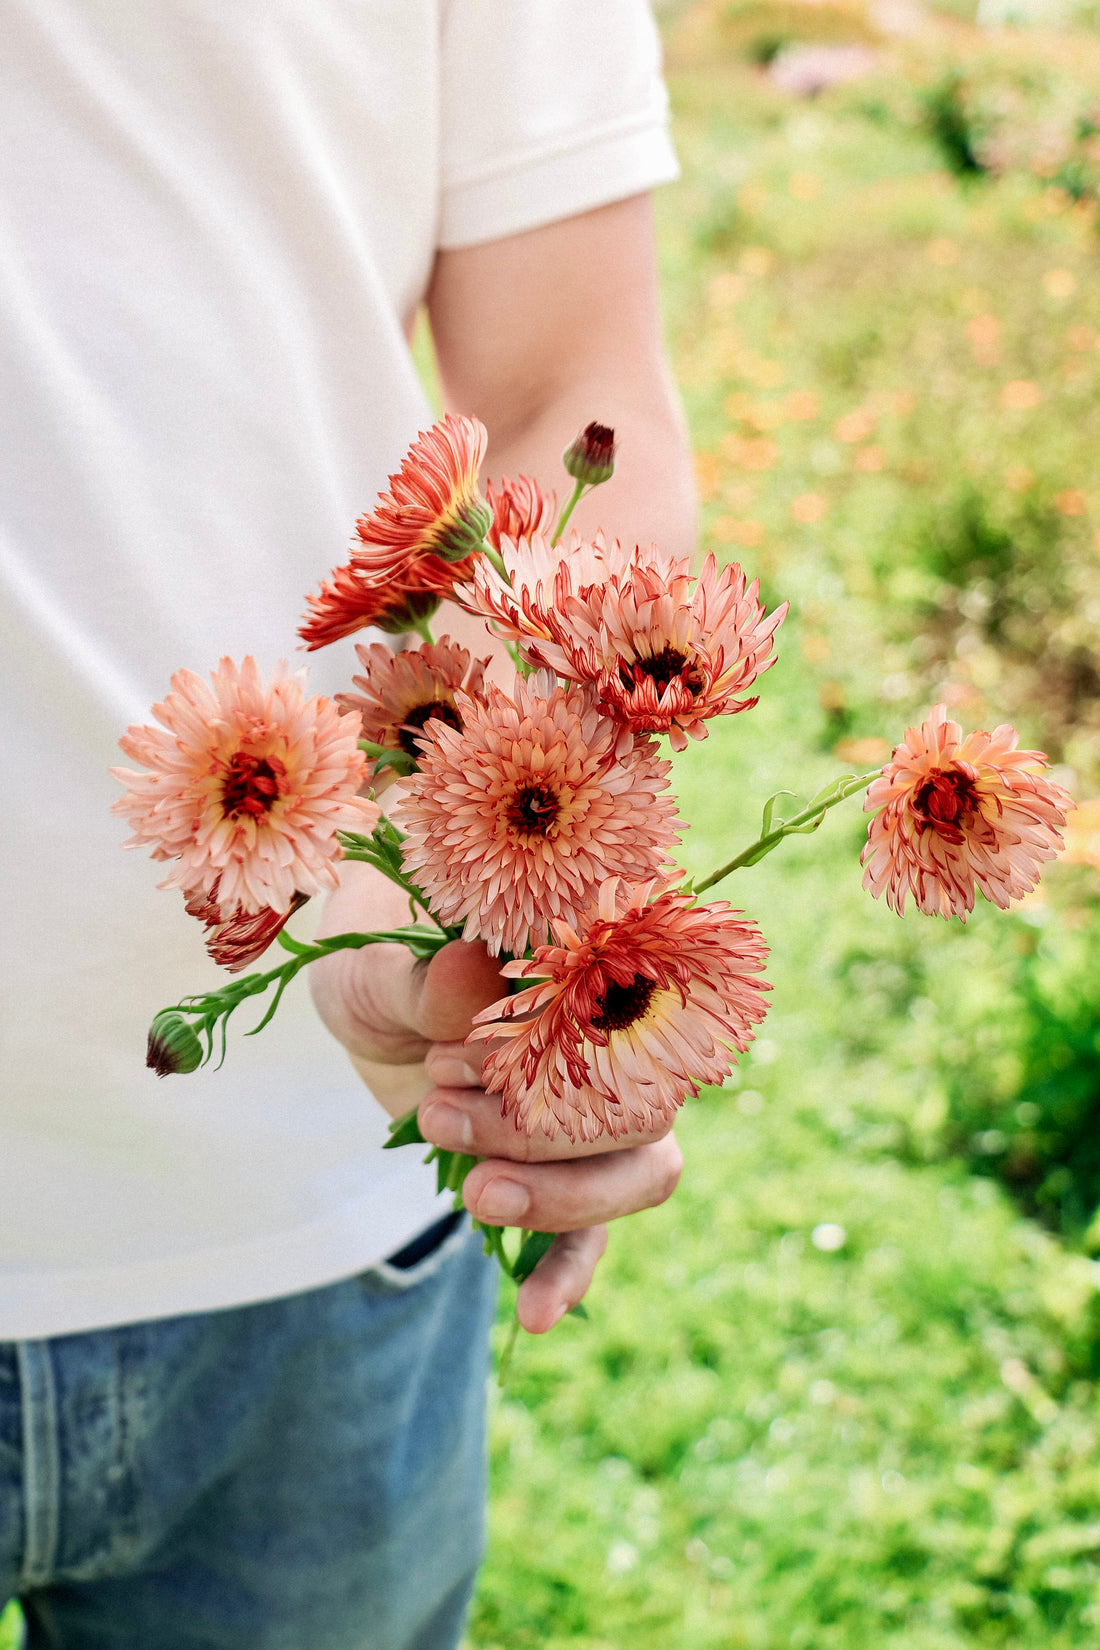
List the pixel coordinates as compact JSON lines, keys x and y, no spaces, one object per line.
{"x":591,"y":458}
{"x":174,"y":1045}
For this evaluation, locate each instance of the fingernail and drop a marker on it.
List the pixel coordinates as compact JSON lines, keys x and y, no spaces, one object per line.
{"x":454,"y":1074}
{"x":447,"y":1126}
{"x":503,"y":1200}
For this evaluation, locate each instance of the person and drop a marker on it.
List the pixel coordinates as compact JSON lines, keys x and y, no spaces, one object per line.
{"x":242,"y":1349}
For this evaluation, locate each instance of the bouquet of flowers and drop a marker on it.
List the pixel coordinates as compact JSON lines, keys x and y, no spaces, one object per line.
{"x":537,"y":818}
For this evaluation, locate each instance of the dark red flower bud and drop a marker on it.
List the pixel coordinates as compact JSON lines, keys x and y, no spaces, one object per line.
{"x":591,"y":458}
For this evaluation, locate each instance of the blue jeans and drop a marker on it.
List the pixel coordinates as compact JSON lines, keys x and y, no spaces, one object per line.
{"x":299,"y":1474}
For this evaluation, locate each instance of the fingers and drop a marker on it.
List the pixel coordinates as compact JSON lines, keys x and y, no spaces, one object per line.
{"x":445,"y":993}
{"x":461,"y":1117}
{"x":567,"y":1196}
{"x":561,"y":1279}
{"x":380,"y":1004}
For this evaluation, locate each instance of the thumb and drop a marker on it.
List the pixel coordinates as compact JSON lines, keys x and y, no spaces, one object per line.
{"x":446,"y":993}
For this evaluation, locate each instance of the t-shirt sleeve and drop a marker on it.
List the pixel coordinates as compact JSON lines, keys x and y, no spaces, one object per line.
{"x":549,"y":108}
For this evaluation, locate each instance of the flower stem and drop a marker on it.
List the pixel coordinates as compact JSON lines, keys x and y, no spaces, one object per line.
{"x":423,"y":628}
{"x":579,"y":491}
{"x":496,"y":562}
{"x":800,"y":824}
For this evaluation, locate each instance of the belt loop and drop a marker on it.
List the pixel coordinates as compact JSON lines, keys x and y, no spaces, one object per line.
{"x":41,"y":1462}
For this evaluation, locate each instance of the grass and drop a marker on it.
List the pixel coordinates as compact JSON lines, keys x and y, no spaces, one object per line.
{"x":840,"y":1391}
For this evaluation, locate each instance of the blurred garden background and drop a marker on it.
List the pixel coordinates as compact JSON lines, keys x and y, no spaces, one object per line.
{"x":841,"y":1392}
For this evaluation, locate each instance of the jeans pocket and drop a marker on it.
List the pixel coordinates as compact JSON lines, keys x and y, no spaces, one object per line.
{"x":421,"y":1258}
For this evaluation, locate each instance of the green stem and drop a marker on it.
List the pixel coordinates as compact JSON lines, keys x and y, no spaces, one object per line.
{"x":495,"y":561}
{"x":579,"y":491}
{"x":212,"y":1009}
{"x":807,"y":820}
{"x":505,"y":1361}
{"x":423,"y":628}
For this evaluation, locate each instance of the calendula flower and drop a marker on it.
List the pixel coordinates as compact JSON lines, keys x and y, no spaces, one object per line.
{"x":400,"y":692}
{"x":515,"y":821}
{"x":382,"y":592}
{"x":519,"y":508}
{"x":635,"y":1009}
{"x":953,"y":814}
{"x":236,"y":941}
{"x":523,"y":605}
{"x":247,"y":788}
{"x":665,"y":651}
{"x":413,"y":544}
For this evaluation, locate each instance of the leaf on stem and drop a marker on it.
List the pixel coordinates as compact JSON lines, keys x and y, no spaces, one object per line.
{"x":534,"y":1246}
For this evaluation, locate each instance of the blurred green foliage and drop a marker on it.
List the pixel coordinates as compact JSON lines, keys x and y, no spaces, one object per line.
{"x":841,"y":1391}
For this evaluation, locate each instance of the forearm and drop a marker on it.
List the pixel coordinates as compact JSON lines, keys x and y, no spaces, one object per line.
{"x":539,"y":334}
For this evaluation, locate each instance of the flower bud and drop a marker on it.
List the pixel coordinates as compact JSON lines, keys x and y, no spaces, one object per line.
{"x":174,"y":1045}
{"x":463,"y":532}
{"x":591,"y":458}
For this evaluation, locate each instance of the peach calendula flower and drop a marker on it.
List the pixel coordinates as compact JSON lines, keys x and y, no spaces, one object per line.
{"x":413,"y":544}
{"x":400,"y":692}
{"x":665,"y":651}
{"x":247,"y":788}
{"x":514,"y":822}
{"x":539,"y":574}
{"x":954,"y":814}
{"x":236,"y":941}
{"x":519,"y":508}
{"x":637,"y":1008}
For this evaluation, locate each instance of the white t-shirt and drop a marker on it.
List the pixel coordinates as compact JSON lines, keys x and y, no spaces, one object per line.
{"x":213,"y":221}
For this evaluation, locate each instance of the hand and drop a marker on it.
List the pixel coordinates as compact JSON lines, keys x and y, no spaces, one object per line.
{"x":543,"y":1185}
{"x":403,"y":1024}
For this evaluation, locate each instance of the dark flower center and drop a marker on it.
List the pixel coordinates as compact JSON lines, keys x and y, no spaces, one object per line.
{"x":662,"y":668}
{"x":944,"y":797}
{"x":533,"y":810}
{"x":416,"y":719}
{"x":252,"y":784}
{"x":622,"y":1005}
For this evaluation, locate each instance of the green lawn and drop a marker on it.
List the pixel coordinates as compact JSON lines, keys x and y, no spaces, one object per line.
{"x":840,"y":1392}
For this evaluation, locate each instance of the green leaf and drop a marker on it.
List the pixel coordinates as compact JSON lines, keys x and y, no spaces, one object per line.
{"x":578,"y":1311}
{"x":400,"y":761}
{"x":531,"y":1252}
{"x":405,"y":1131}
{"x":769,"y":811}
{"x":294,"y":946}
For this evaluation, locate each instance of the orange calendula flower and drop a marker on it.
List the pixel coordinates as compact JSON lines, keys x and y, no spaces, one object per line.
{"x":519,"y":508}
{"x":400,"y":692}
{"x":235,"y":942}
{"x":637,"y":1008}
{"x":664,"y":650}
{"x":414,"y":544}
{"x":953,"y":814}
{"x":247,"y":788}
{"x":516,"y":821}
